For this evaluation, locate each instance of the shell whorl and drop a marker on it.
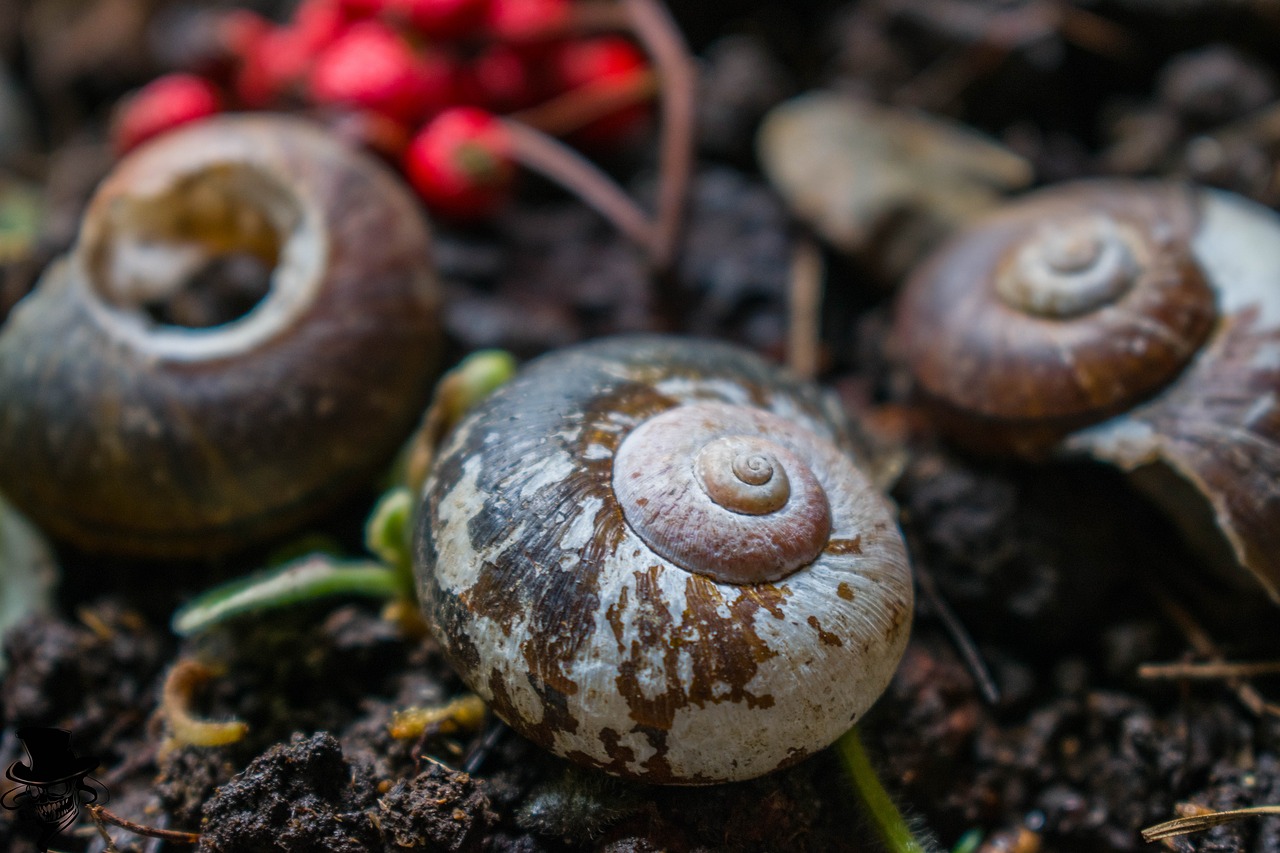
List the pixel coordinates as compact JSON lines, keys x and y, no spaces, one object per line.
{"x":1061,"y":308}
{"x":1138,"y":322}
{"x":1073,"y":267}
{"x":724,"y":491}
{"x":591,"y":642}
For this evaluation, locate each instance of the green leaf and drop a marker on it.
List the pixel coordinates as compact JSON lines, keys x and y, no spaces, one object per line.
{"x":313,"y":577}
{"x":388,"y":534}
{"x":475,"y":377}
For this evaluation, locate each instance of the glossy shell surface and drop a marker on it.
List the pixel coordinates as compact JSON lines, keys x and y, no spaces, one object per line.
{"x":990,"y":327}
{"x":558,"y":613}
{"x":1176,"y":373}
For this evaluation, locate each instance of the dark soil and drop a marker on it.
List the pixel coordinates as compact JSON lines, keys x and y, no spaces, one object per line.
{"x":1064,"y":578}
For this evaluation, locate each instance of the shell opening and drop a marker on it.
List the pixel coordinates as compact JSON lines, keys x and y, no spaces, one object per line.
{"x":208,"y":264}
{"x":743,"y":476}
{"x":1068,"y":269}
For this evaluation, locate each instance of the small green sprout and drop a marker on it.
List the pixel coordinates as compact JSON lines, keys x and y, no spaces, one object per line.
{"x":388,"y":532}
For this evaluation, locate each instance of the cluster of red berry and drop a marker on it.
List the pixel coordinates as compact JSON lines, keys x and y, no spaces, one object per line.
{"x":422,"y":82}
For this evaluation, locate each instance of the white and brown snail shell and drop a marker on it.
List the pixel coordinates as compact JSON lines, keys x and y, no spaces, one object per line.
{"x":1135,"y":321}
{"x":655,"y":556}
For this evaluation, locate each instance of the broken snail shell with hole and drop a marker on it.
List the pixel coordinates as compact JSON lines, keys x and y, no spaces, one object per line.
{"x":125,"y":433}
{"x":656,"y":556}
{"x":1138,"y":322}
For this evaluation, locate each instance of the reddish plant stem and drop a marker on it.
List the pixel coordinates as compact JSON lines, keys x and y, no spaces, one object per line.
{"x":550,"y":157}
{"x":657,"y":31}
{"x":584,"y":17}
{"x":596,"y":16}
{"x":100,"y":813}
{"x":576,"y":109}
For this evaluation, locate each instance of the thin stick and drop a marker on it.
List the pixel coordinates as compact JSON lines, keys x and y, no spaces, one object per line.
{"x":102,"y":831}
{"x":579,"y":107}
{"x":1216,"y":670}
{"x":661,"y":37}
{"x":480,"y":749}
{"x":1205,"y":647}
{"x":557,"y":161}
{"x":959,"y":635}
{"x":594,"y":16}
{"x":804,"y":297}
{"x":100,"y":813}
{"x":1201,"y":822}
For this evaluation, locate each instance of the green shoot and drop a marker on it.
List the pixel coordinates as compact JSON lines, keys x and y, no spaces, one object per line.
{"x":888,"y":821}
{"x":306,"y":579}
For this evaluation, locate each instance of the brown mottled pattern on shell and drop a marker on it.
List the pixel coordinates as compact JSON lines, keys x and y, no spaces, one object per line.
{"x":127,"y":450}
{"x":979,"y":359}
{"x":641,"y":668}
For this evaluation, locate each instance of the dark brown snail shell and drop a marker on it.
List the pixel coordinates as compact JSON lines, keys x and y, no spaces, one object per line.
{"x":122,"y":434}
{"x":656,"y":556}
{"x":1135,"y":321}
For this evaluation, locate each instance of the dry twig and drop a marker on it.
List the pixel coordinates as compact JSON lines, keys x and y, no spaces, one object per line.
{"x":101,"y":815}
{"x":1204,"y":646}
{"x":804,"y":295}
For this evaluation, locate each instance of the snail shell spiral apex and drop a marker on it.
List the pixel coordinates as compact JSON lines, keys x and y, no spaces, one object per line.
{"x":655,"y":556}
{"x":704,"y":487}
{"x":1058,"y":310}
{"x":1072,"y":268}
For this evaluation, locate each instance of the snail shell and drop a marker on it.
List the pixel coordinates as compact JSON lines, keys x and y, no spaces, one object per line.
{"x":1135,"y":321}
{"x":655,"y":556}
{"x":126,"y":435}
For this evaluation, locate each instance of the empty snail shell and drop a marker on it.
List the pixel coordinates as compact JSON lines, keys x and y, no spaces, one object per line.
{"x":1135,"y":321}
{"x":129,"y":435}
{"x":655,"y":556}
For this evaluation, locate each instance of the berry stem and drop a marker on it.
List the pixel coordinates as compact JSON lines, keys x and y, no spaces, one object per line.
{"x":661,"y":38}
{"x":596,"y":16}
{"x":579,"y":107}
{"x":549,"y":157}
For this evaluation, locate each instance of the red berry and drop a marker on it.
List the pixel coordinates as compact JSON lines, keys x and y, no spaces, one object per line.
{"x":241,"y":31}
{"x":371,"y":67}
{"x":442,"y":19}
{"x":275,"y":67}
{"x":319,"y":23}
{"x":461,"y":163}
{"x":162,"y":105}
{"x":603,"y":61}
{"x":526,"y":20}
{"x":280,"y":59}
{"x":499,"y":79}
{"x":358,"y":10}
